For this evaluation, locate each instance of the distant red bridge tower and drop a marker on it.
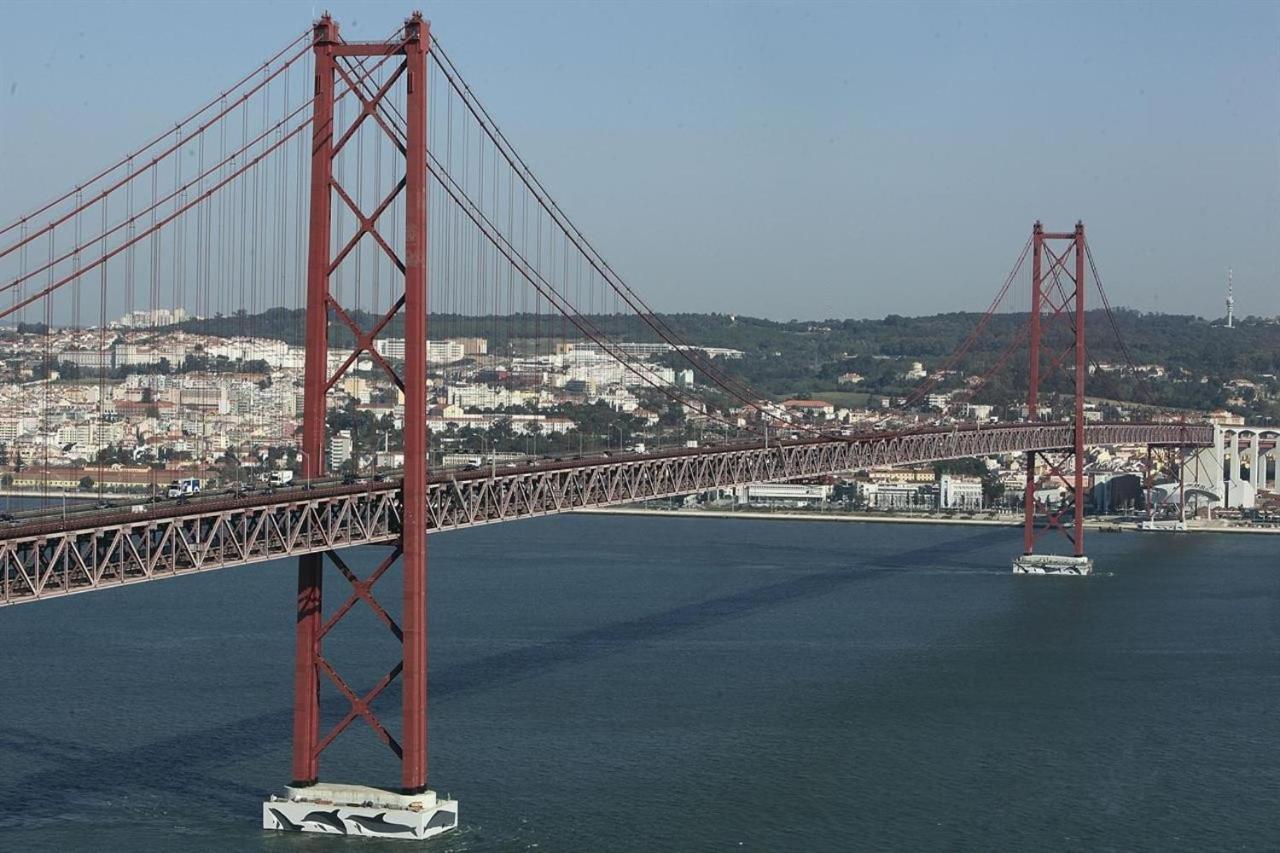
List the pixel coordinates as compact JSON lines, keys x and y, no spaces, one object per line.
{"x":1056,"y":345}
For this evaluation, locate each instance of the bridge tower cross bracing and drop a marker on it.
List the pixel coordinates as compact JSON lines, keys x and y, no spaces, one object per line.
{"x":1057,"y":301}
{"x":336,"y":76}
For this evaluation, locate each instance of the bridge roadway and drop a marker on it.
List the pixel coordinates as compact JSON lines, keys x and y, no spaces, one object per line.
{"x":51,"y":557}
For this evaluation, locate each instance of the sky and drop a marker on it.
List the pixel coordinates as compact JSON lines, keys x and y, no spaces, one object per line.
{"x":786,"y":160}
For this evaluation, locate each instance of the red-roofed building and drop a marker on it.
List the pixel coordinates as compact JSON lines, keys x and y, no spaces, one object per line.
{"x":817,"y":408}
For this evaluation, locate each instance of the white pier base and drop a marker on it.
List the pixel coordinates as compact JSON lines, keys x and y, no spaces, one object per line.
{"x":1052,"y":564}
{"x":360,"y":810}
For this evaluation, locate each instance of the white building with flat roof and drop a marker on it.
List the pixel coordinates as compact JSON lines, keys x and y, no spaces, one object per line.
{"x":959,"y":492}
{"x":787,"y":494}
{"x":438,"y":352}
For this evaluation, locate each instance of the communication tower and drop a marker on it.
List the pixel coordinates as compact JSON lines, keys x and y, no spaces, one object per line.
{"x":1231,"y":302}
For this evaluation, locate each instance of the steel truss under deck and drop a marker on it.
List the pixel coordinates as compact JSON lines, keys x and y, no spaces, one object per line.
{"x":116,"y":548}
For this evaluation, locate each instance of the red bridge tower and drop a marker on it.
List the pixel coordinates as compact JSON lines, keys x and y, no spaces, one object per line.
{"x":413,"y":810}
{"x":1057,"y":346}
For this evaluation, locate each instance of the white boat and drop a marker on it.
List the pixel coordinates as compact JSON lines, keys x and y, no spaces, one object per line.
{"x":1164,"y":525}
{"x":1052,"y":564}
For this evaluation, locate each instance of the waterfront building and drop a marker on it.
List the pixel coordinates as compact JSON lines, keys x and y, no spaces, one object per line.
{"x":957,"y":492}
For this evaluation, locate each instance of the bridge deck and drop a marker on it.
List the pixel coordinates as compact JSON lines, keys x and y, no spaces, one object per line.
{"x":47,"y":558}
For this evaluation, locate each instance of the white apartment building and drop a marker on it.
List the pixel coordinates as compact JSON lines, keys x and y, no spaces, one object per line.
{"x":438,"y":352}
{"x":137,"y":355}
{"x":155,"y":317}
{"x":620,"y":400}
{"x":13,"y":426}
{"x":90,"y":434}
{"x":340,"y":447}
{"x":486,"y":396}
{"x":277,"y":354}
{"x":959,"y":492}
{"x":89,"y":359}
{"x":520,"y":424}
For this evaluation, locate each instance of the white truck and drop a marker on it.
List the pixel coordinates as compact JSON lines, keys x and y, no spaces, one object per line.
{"x":280,"y":478}
{"x":185,"y":487}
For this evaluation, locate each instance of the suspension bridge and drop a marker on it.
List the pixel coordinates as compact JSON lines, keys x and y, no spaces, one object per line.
{"x":334,"y":213}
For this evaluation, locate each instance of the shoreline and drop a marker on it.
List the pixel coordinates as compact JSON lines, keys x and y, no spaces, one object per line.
{"x":868,"y":518}
{"x":840,"y":517}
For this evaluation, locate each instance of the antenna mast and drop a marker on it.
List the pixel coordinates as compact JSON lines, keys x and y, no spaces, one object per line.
{"x":1231,"y":302}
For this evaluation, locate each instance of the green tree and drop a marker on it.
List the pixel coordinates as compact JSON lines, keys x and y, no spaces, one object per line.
{"x":992,"y":489}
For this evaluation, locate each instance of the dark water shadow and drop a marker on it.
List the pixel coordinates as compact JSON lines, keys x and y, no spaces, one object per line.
{"x":174,"y":763}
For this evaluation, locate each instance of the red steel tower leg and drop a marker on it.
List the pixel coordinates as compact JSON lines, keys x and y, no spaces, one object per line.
{"x":414,"y":759}
{"x":1081,"y":372}
{"x":306,"y":673}
{"x":1033,"y":386}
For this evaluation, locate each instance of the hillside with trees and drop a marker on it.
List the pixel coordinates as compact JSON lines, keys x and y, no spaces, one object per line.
{"x":1197,"y":357}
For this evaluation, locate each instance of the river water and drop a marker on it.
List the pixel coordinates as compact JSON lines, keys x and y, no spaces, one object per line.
{"x":603,"y":683}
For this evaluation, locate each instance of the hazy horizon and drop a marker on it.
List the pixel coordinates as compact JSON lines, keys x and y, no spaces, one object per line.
{"x":1239,"y":318}
{"x":785,"y":161}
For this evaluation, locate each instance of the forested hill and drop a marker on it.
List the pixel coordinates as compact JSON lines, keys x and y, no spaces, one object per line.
{"x":1174,"y":340}
{"x":808,"y":357}
{"x":794,"y":357}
